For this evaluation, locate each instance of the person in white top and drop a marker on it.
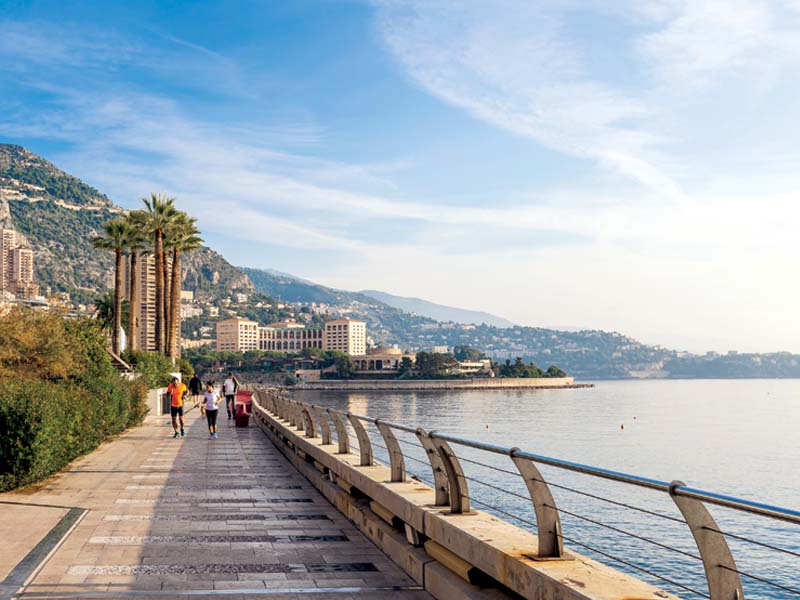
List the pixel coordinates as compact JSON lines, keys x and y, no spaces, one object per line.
{"x":229,"y":387}
{"x":211,"y":402}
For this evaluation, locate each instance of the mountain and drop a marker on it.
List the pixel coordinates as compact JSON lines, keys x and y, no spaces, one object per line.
{"x":59,"y":214}
{"x":439,"y":312}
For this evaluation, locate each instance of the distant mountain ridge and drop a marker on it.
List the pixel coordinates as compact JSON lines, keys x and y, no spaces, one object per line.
{"x":439,"y":312}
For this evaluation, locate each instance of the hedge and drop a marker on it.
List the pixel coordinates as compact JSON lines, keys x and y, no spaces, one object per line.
{"x":60,"y":396}
{"x":47,"y":424}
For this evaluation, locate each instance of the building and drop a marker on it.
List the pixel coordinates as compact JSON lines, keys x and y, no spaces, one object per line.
{"x":16,"y":266}
{"x":237,"y":335}
{"x":381,"y":361}
{"x":8,"y":240}
{"x":346,"y":335}
{"x":288,"y":336}
{"x":146,"y":287}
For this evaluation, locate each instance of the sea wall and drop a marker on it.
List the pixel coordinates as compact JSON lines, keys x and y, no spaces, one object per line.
{"x":467,"y":556}
{"x":485,"y":383}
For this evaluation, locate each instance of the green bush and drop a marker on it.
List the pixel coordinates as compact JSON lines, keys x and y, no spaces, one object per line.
{"x":154,"y":368}
{"x":61,"y":396}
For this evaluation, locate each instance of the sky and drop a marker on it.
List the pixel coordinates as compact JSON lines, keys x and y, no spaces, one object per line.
{"x":627,"y":165}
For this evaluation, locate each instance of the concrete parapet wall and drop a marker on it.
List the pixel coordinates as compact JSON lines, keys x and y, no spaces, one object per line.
{"x":496,"y":553}
{"x":483,"y":383}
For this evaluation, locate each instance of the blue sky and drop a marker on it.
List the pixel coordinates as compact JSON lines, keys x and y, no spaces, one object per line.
{"x":623,"y":165}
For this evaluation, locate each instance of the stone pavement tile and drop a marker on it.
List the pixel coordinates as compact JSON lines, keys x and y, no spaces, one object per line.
{"x":177,"y":506}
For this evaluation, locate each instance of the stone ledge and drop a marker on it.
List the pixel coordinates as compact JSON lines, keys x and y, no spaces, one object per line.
{"x":494,"y":546}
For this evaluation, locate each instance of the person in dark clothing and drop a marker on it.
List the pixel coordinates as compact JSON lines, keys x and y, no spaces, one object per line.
{"x":195,"y":389}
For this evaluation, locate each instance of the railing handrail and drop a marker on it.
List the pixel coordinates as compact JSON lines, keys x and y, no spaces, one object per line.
{"x":727,"y":501}
{"x":451,"y":487}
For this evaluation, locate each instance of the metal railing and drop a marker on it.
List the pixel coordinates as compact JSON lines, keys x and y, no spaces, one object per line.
{"x":451,"y":486}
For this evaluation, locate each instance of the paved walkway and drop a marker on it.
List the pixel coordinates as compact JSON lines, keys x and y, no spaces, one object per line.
{"x":150,"y":516}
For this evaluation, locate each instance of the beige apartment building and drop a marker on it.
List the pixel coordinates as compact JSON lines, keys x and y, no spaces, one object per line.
{"x":16,"y":265}
{"x":288,"y":336}
{"x":346,"y":335}
{"x":146,"y":282}
{"x":237,"y":335}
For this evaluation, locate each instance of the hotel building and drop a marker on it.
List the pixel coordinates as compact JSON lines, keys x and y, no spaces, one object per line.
{"x":288,"y":336}
{"x":237,"y":335}
{"x":346,"y":335}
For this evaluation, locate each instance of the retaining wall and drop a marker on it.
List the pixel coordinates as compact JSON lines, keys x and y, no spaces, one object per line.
{"x":485,"y":383}
{"x":453,"y":556}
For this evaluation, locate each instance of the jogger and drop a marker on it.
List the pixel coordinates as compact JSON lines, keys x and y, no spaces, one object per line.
{"x":211,"y":402}
{"x":177,"y":392}
{"x":229,"y":387}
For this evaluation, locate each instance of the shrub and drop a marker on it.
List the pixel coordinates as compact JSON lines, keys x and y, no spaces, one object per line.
{"x":154,"y":368}
{"x":61,"y":396}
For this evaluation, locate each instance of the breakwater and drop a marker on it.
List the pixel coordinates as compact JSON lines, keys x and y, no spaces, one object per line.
{"x":415,"y":385}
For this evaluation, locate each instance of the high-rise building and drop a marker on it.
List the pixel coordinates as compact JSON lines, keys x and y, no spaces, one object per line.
{"x":8,"y":240}
{"x":16,"y":265}
{"x":346,"y":335}
{"x":146,"y":281}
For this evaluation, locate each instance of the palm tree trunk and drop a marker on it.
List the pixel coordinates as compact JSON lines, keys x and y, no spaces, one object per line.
{"x":175,"y":305}
{"x":115,"y":335}
{"x":159,"y":332}
{"x":165,"y":275}
{"x":133,"y":342}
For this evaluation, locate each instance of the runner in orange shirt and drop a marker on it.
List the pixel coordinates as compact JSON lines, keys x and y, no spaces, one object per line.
{"x":177,"y":392}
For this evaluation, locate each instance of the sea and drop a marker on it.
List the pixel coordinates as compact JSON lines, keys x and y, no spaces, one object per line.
{"x":735,"y":437}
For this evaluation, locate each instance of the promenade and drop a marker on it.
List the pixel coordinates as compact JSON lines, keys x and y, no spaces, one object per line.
{"x":146,"y":515}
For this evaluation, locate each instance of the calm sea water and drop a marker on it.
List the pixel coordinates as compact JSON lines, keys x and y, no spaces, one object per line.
{"x":739,"y":437}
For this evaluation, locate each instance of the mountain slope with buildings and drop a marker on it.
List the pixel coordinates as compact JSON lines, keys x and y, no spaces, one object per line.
{"x":58,"y":214}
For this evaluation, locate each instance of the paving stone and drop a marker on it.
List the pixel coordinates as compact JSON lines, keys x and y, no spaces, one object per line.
{"x":195,"y":514}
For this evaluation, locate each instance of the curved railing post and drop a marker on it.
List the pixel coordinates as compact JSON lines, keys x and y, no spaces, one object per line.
{"x":397,"y":463}
{"x":324,"y":426}
{"x":721,"y":573}
{"x":341,"y":431}
{"x":548,"y":523}
{"x":299,"y":419}
{"x":364,"y":445}
{"x":308,"y":422}
{"x":439,"y":474}
{"x":456,"y":482}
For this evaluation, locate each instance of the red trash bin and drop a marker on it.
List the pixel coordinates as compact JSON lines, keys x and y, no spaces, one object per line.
{"x":244,"y":405}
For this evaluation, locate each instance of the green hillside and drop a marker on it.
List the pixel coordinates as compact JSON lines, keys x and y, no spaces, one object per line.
{"x":59,"y":214}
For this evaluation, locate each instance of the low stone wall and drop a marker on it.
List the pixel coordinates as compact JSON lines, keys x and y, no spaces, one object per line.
{"x":466,"y":556}
{"x":484,"y":383}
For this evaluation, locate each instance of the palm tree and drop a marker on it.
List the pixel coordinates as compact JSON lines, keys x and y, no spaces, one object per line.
{"x":114,"y":238}
{"x":136,"y":244}
{"x":160,"y":212}
{"x":184,"y":237}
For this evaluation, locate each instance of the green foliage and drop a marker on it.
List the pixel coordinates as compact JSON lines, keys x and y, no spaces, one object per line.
{"x":434,"y":364}
{"x":518,"y":369}
{"x":466,"y":352}
{"x":154,"y":368}
{"x":61,"y":394}
{"x":186,"y":369}
{"x":554,"y":371}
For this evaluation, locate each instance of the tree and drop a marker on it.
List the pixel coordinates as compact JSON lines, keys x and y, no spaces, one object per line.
{"x":183,"y":237}
{"x":104,"y":310}
{"x":406,"y":365}
{"x":136,"y":243}
{"x":114,"y":238}
{"x":160,"y":213}
{"x":344,"y":366}
{"x":466,"y":352}
{"x":554,"y":371}
{"x":434,"y":364}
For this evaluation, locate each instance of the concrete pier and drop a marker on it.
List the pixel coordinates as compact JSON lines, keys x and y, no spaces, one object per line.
{"x":149,"y":516}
